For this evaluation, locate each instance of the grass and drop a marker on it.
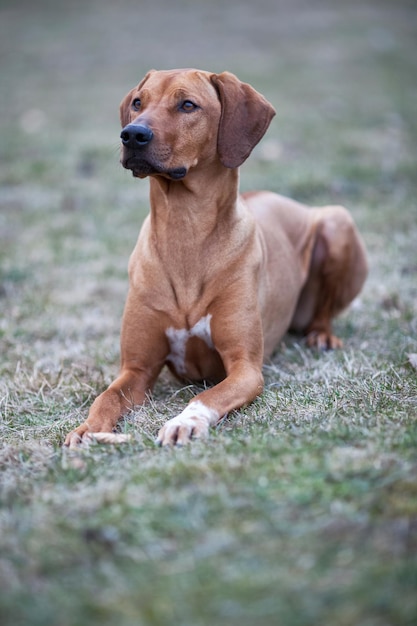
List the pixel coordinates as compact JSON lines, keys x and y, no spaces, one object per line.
{"x":300,"y":509}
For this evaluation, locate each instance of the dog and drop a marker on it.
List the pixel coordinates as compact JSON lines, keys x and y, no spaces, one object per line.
{"x":216,"y":279}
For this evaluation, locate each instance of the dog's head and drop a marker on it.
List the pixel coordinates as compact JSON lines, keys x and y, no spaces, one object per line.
{"x":177,"y":120}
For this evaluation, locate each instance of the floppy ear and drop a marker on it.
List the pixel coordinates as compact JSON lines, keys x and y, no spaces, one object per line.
{"x":124,"y":108}
{"x":125,"y":103}
{"x":244,"y":119}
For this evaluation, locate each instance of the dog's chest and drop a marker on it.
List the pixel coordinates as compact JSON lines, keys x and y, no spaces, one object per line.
{"x":179,"y":339}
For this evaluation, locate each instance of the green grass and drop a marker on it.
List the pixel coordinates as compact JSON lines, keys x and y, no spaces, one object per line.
{"x":300,"y":509}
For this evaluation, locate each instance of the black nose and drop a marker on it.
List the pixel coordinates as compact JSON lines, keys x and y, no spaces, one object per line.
{"x":134,"y":135}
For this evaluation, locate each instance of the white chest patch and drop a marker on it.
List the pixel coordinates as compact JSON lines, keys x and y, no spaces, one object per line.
{"x":178,"y":341}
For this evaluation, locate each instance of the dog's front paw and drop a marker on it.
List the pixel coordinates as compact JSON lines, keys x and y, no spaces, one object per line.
{"x":193,"y":423}
{"x":75,"y":437}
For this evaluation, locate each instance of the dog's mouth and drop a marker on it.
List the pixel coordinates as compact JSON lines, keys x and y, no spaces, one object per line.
{"x":141,"y":168}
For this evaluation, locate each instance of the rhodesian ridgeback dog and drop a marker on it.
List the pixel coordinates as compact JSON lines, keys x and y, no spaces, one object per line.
{"x":216,"y":279}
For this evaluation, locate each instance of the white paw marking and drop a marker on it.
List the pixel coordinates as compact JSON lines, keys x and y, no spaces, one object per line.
{"x":197,"y":410}
{"x":178,"y":341}
{"x":194,"y":421}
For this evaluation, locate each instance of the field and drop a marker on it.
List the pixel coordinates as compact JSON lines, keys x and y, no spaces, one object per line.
{"x":300,"y":509}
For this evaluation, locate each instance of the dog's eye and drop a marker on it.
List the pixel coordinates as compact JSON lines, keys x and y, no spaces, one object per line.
{"x":187,"y":106}
{"x":136,"y":104}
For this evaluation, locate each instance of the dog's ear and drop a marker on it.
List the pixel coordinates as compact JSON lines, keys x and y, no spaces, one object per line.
{"x":126,"y":102}
{"x":125,"y":107}
{"x":245,"y":117}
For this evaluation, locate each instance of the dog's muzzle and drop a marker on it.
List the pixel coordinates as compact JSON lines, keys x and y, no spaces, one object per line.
{"x":141,"y":160}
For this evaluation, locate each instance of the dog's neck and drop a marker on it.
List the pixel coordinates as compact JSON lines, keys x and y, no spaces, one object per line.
{"x":196,"y":205}
{"x":190,"y":222}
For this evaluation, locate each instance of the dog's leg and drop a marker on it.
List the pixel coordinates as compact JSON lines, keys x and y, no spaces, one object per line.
{"x":240,"y":348}
{"x":126,"y":392}
{"x":338,"y":269}
{"x":143,"y":353}
{"x":243,"y":383}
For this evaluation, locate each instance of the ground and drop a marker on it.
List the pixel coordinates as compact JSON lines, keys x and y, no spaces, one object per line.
{"x":300,"y":509}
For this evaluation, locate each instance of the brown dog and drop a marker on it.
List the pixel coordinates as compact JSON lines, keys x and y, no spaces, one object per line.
{"x":216,"y":279}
